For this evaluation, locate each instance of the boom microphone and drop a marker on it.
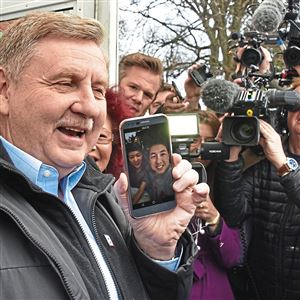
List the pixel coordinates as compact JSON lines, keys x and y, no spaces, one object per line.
{"x":268,"y":16}
{"x":219,"y":95}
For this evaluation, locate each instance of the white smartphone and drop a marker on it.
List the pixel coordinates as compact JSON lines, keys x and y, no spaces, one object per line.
{"x":147,"y":149}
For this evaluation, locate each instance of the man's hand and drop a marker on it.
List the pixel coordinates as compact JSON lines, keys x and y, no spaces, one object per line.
{"x":157,"y":235}
{"x":271,"y":143}
{"x":192,"y":90}
{"x":173,"y":105}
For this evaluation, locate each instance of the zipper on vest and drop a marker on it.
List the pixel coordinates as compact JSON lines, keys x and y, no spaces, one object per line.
{"x":101,"y":250}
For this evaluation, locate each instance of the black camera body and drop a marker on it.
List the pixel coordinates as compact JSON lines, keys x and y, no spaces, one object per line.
{"x":243,"y":127}
{"x":291,"y":55}
{"x":201,"y":74}
{"x":214,"y":150}
{"x":252,"y":40}
{"x":251,"y":105}
{"x":241,"y":130}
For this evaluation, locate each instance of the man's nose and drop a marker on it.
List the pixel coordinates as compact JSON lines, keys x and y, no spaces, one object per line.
{"x":158,"y":159}
{"x":138,"y":97}
{"x":86,"y":104}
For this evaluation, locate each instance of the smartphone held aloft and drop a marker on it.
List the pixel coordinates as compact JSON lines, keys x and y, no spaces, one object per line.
{"x":147,"y":148}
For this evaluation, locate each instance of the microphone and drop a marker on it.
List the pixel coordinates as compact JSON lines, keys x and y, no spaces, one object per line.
{"x":268,"y":16}
{"x":289,"y":99}
{"x":219,"y":95}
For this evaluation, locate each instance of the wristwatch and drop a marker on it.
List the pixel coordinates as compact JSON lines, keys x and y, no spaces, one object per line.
{"x":290,"y":165}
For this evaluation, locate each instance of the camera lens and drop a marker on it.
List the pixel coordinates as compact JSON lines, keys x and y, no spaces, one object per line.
{"x":251,"y":56}
{"x":244,"y":130}
{"x":291,"y":56}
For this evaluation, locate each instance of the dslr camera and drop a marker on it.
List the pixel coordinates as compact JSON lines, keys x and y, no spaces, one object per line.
{"x":252,"y":40}
{"x":250,"y":105}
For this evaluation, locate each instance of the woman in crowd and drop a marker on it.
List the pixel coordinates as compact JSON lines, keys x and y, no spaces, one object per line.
{"x":107,"y":151}
{"x":219,"y":246}
{"x":137,"y":172}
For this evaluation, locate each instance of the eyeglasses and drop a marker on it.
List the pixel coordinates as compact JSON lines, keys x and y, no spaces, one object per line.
{"x":105,"y":137}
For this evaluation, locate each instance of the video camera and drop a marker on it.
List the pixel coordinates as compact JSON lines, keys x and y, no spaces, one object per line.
{"x":252,"y":40}
{"x":250,"y":105}
{"x":184,"y":129}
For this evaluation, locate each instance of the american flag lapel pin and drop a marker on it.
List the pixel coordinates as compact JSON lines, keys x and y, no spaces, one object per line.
{"x":109,"y":241}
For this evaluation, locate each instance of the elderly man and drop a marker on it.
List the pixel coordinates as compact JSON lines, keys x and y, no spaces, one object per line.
{"x":62,"y":233}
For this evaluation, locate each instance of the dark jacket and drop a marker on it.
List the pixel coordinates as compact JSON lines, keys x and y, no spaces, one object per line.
{"x":44,"y":254}
{"x":272,"y":202}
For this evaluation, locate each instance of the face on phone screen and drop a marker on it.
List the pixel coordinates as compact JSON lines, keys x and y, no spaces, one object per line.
{"x":147,"y":158}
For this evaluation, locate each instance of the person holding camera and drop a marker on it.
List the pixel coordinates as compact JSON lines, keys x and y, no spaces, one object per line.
{"x":219,"y":245}
{"x":268,"y":193}
{"x":192,"y":97}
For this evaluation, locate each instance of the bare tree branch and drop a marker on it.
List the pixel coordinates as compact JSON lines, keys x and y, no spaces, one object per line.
{"x":189,"y":31}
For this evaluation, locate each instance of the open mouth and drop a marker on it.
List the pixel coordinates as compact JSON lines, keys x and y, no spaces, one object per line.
{"x":73,"y":132}
{"x":159,"y":167}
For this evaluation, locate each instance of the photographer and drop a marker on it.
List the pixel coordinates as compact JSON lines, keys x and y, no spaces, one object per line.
{"x":219,"y":245}
{"x":241,"y":69}
{"x":269,"y":194}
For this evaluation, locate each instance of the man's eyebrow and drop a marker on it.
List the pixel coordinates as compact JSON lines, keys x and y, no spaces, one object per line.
{"x":63,"y":73}
{"x":72,"y":72}
{"x":149,"y":94}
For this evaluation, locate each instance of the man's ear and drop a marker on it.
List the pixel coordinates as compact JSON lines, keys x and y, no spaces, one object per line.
{"x":4,"y":98}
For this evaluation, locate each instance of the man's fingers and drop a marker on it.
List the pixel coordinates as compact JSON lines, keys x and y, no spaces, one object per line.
{"x":187,"y":180}
{"x":180,"y":166}
{"x":201,"y":189}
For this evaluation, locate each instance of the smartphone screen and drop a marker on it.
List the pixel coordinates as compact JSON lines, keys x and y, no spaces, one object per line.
{"x":146,"y":147}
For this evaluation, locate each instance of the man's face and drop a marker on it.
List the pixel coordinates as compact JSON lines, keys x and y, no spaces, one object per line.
{"x":57,"y":107}
{"x":159,"y":101}
{"x":159,"y":158}
{"x":139,"y":87}
{"x":135,"y":159}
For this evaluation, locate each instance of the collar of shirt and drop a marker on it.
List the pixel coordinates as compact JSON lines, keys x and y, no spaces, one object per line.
{"x":44,"y":176}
